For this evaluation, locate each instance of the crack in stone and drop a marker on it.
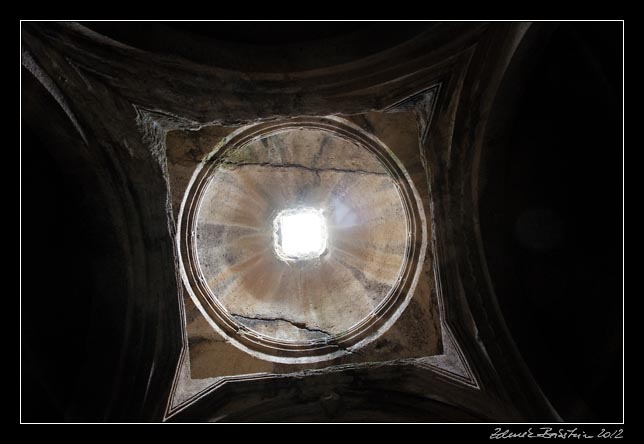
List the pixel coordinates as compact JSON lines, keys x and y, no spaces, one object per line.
{"x":295,"y":165}
{"x":300,"y":325}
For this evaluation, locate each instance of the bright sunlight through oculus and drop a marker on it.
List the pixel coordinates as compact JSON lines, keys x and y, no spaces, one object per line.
{"x":299,"y":234}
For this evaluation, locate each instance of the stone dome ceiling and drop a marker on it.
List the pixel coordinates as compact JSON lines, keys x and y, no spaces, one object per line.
{"x":421,"y":284}
{"x":342,"y":294}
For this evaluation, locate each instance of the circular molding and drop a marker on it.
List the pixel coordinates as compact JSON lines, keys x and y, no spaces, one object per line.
{"x":359,"y":334}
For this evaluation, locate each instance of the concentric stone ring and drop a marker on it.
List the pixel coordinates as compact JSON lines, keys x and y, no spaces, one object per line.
{"x":301,"y":240}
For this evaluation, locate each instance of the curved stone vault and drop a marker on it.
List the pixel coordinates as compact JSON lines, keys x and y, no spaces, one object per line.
{"x":390,"y":300}
{"x":288,"y":231}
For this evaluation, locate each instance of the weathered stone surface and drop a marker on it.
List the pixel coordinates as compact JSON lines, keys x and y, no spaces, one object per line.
{"x":314,"y":300}
{"x":308,"y":299}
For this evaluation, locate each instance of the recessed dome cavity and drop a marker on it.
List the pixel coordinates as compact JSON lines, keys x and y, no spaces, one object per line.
{"x":299,"y":239}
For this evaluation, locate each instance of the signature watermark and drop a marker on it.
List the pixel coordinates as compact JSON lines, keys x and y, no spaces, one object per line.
{"x":549,"y":433}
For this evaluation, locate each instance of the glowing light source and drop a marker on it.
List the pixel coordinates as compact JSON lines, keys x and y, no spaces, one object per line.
{"x":299,"y":234}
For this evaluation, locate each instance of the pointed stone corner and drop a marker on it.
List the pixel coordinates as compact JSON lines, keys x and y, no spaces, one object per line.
{"x":451,"y":363}
{"x":422,"y":103}
{"x":185,"y":390}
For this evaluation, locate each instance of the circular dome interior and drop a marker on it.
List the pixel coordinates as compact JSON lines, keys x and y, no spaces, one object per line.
{"x":328,"y":197}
